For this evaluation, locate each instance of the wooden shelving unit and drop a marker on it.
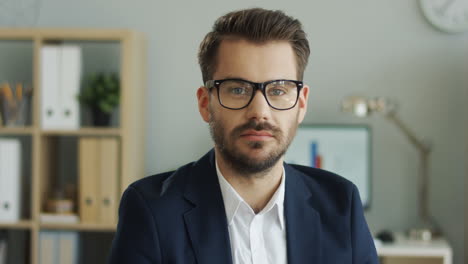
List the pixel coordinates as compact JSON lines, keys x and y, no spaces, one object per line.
{"x":129,"y":128}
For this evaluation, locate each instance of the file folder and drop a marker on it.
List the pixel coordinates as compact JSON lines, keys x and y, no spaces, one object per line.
{"x":70,"y":87}
{"x":60,"y":84}
{"x":50,"y":72}
{"x":68,"y":247}
{"x":88,"y":179}
{"x":48,"y":247}
{"x":10,"y":180}
{"x":58,"y":247}
{"x":99,"y":173}
{"x":109,"y":172}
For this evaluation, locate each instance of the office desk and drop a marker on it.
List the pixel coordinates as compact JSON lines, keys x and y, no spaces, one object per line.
{"x":405,"y":251}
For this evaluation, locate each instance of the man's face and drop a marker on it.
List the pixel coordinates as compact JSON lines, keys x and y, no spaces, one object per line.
{"x":252,"y":139}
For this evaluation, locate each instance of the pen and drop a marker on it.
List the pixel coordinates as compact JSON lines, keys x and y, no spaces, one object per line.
{"x":2,"y":89}
{"x":7,"y":92}
{"x":19,"y":91}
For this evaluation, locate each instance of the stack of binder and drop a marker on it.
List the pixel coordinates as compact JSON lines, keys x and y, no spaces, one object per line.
{"x":10,"y":180}
{"x":60,"y":84}
{"x":98,"y":179}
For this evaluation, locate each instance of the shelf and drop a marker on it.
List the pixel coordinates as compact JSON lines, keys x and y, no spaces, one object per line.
{"x":65,"y":33}
{"x":84,"y":131}
{"x":79,"y":227}
{"x":24,"y":224}
{"x":16,"y":130}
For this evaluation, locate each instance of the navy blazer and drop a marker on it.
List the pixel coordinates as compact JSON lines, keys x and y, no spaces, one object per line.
{"x":179,"y":218}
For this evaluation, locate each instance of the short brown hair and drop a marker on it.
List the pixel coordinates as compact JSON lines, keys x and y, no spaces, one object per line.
{"x":257,"y":25}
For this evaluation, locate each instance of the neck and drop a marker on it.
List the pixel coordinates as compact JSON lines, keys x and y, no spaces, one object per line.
{"x":256,"y":189}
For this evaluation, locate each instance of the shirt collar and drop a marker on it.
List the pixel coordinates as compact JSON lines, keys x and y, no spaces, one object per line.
{"x":232,"y":200}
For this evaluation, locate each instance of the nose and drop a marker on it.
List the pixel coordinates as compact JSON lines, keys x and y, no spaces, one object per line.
{"x":258,"y":108}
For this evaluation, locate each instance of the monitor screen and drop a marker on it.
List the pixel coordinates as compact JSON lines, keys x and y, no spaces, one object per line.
{"x":342,"y":149}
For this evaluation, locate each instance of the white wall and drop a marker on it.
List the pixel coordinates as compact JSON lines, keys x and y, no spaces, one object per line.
{"x":374,"y":48}
{"x":466,"y":181}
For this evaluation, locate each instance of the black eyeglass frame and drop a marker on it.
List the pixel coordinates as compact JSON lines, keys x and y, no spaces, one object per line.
{"x":257,"y":86}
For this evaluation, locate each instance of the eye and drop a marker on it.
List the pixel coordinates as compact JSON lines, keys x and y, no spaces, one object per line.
{"x":238,"y":90}
{"x":276,"y":91}
{"x":280,"y":88}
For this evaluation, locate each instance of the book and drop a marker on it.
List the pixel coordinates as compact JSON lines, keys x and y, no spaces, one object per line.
{"x":59,"y":218}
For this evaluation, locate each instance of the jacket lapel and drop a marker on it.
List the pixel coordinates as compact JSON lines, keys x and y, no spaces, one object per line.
{"x":302,"y":221}
{"x":206,"y":222}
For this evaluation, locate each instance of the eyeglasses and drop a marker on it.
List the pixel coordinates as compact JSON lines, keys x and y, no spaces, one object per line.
{"x":236,"y":94}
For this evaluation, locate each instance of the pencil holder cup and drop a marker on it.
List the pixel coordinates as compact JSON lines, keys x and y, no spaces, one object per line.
{"x":13,"y":111}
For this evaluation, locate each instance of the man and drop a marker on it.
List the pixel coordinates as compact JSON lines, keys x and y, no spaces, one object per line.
{"x":241,"y":203}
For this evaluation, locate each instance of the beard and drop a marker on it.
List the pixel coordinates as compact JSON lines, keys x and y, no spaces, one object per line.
{"x":240,"y":162}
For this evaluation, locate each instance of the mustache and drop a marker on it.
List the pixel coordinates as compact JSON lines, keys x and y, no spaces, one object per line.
{"x":258,"y":126}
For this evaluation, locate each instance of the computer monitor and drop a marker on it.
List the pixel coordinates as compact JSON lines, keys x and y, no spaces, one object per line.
{"x":341,"y":149}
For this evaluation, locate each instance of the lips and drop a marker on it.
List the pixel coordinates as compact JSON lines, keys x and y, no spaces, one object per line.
{"x":255,"y":135}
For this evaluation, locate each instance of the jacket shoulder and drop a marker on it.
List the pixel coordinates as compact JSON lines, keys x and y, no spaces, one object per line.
{"x":321,"y":176}
{"x":156,"y":186}
{"x":329,"y":190}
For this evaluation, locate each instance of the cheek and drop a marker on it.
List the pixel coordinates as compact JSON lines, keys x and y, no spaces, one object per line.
{"x":289,"y":122}
{"x":229,"y":118}
{"x":223,"y":120}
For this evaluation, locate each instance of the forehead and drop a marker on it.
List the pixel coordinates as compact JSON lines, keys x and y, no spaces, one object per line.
{"x":258,"y":62}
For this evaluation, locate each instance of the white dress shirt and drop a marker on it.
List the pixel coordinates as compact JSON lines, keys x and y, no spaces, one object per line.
{"x":255,"y":238}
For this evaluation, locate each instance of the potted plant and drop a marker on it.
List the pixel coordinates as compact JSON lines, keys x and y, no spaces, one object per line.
{"x":101,"y":93}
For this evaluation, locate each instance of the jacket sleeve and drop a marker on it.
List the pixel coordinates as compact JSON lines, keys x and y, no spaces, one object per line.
{"x":136,"y":240}
{"x":364,"y":251}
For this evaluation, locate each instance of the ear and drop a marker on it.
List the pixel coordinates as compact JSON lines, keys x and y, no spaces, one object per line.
{"x":302,"y":103}
{"x":203,"y":103}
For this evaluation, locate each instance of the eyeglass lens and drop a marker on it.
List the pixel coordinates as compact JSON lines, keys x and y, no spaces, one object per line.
{"x":237,"y":93}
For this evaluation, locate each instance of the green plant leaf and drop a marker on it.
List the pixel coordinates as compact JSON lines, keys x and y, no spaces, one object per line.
{"x":101,"y":90}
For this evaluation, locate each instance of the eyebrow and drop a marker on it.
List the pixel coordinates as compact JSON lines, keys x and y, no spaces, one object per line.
{"x":234,"y":77}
